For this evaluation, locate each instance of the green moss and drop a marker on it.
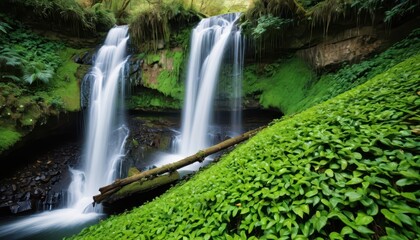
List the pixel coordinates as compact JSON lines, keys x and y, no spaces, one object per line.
{"x":152,"y":58}
{"x":8,"y":137}
{"x":152,"y":101}
{"x":346,"y":168}
{"x":168,"y":79}
{"x":65,"y":85}
{"x":281,"y":84}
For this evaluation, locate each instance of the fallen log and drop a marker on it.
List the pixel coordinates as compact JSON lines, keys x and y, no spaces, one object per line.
{"x":141,"y":186}
{"x":108,"y":190}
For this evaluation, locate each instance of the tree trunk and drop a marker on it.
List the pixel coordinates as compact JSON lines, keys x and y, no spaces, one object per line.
{"x":142,"y":186}
{"x":108,"y":190}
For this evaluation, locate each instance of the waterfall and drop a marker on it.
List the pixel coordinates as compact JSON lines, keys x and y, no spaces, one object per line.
{"x":208,"y":45}
{"x":106,"y":131}
{"x":104,"y":144}
{"x":238,"y":64}
{"x":210,"y":42}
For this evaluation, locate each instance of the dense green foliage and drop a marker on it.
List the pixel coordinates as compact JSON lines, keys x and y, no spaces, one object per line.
{"x":37,"y":80}
{"x":345,"y":169}
{"x":25,"y":57}
{"x":66,"y":14}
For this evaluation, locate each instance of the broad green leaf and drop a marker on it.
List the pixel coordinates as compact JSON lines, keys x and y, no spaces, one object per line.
{"x":329,"y":173}
{"x":357,"y":155}
{"x":343,"y":164}
{"x":335,"y":236}
{"x":326,"y":203}
{"x":325,"y":189}
{"x":409,"y":195}
{"x":364,"y":230}
{"x":372,"y":209}
{"x":298,"y":211}
{"x":251,"y":227}
{"x":405,"y":218}
{"x":405,"y":181}
{"x":346,"y":230}
{"x":391,"y":216}
{"x":363,"y":219}
{"x":321,"y":222}
{"x":411,"y":174}
{"x":353,"y":196}
{"x":335,"y":201}
{"x":355,"y":180}
{"x":311,"y":193}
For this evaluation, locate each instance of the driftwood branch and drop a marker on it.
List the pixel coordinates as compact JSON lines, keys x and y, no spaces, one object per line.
{"x":108,"y":190}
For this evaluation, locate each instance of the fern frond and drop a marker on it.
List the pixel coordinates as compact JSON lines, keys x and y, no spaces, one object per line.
{"x":11,"y":77}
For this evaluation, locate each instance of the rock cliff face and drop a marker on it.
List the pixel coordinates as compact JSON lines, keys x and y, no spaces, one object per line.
{"x":351,"y":45}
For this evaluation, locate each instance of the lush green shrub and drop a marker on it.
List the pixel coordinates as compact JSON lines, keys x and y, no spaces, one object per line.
{"x":345,"y":169}
{"x":69,"y":15}
{"x":37,"y":80}
{"x":26,"y":57}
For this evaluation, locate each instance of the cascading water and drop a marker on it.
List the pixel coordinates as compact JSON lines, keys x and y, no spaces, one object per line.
{"x":209,"y":42}
{"x":238,"y":64}
{"x":104,"y":147}
{"x":106,"y":129}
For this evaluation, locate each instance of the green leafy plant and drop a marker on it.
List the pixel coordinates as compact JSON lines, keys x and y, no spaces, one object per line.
{"x":401,"y":9}
{"x":3,"y":27}
{"x":269,"y":23}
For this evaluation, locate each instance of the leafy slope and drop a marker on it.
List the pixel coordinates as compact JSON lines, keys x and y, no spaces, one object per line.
{"x":347,"y":168}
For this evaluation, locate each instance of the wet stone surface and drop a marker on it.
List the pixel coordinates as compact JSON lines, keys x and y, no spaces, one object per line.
{"x":39,"y":184}
{"x":149,"y":134}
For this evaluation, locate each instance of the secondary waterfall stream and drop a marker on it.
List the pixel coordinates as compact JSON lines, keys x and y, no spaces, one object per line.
{"x":104,"y":144}
{"x":210,"y":42}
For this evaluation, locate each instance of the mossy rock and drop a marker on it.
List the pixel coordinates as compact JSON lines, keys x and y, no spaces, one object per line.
{"x":8,"y":137}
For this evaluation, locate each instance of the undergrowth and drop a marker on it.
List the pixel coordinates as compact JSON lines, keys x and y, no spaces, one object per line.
{"x":345,"y":169}
{"x":26,"y":57}
{"x":67,"y":15}
{"x":278,"y":85}
{"x":37,"y":79}
{"x":152,"y":101}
